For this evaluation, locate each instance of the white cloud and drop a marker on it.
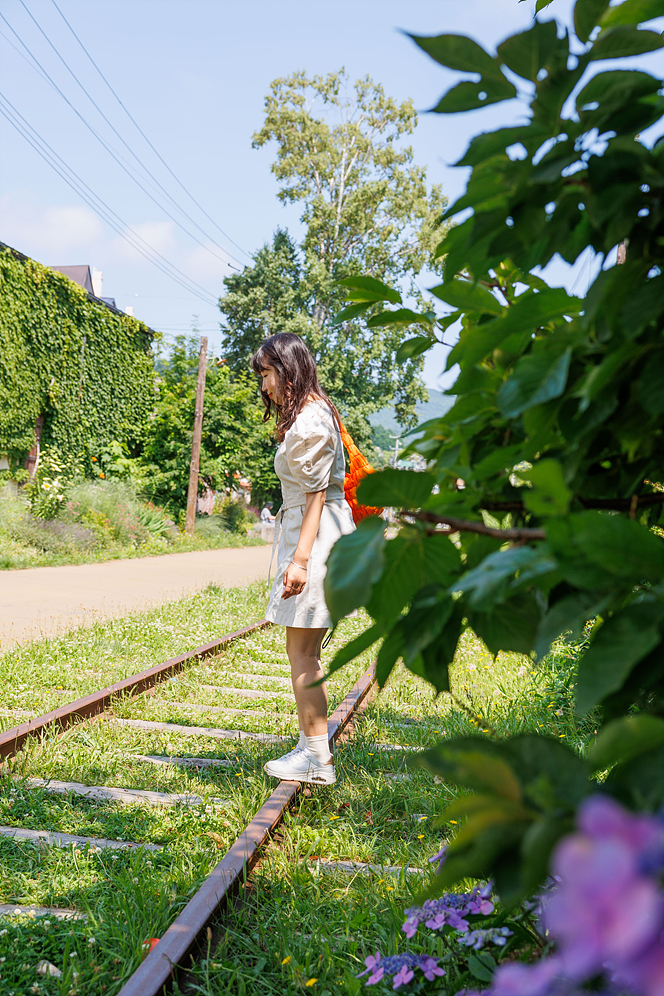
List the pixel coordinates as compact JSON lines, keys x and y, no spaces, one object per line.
{"x":206,"y":268}
{"x":158,"y":235}
{"x":48,"y":232}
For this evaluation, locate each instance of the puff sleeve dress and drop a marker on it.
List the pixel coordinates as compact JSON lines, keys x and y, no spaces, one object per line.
{"x":310,"y":458}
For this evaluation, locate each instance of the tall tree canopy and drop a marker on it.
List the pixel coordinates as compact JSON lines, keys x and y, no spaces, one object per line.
{"x":366,"y":209}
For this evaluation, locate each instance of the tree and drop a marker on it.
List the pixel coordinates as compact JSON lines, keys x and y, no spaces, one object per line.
{"x":366,"y":209}
{"x":234,"y":441}
{"x":265,"y":298}
{"x":557,"y":433}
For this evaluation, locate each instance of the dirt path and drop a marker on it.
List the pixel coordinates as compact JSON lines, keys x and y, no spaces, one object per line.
{"x":45,"y":601}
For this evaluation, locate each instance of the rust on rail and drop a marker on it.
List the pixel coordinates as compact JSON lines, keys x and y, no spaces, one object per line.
{"x":12,"y":740}
{"x":158,"y":969}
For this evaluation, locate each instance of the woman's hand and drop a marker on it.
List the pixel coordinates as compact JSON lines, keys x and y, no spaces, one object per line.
{"x":295,"y":579}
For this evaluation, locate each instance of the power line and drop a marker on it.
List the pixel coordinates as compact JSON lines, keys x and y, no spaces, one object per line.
{"x":138,"y":127}
{"x":108,"y":148}
{"x":112,"y":126}
{"x":107,"y":214}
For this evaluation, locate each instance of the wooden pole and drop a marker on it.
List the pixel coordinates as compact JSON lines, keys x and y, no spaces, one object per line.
{"x":196,"y":442}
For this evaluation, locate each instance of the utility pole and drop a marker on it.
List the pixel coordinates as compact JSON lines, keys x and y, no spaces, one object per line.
{"x":396,"y":448}
{"x":196,"y":442}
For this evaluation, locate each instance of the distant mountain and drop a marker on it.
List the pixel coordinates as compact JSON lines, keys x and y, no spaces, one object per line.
{"x":436,"y":406}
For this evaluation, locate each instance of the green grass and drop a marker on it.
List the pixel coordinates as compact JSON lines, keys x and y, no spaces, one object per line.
{"x":292,"y":924}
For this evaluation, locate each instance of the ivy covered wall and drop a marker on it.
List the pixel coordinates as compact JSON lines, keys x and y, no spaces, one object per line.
{"x":86,"y":369}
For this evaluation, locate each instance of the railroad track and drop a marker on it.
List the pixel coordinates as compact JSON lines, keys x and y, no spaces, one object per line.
{"x":238,"y":680}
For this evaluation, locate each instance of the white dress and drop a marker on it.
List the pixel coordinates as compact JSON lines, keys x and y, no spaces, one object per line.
{"x":310,"y":458}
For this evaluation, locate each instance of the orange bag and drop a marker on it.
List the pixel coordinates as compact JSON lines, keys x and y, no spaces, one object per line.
{"x":359,"y":468}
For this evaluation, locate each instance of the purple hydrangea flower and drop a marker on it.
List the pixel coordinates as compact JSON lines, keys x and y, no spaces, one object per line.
{"x":449,"y":910}
{"x":476,"y":939}
{"x":400,"y":967}
{"x":605,"y":909}
{"x":430,"y":967}
{"x":517,"y":979}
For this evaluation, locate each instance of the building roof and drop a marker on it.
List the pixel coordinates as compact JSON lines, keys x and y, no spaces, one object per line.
{"x":79,"y":274}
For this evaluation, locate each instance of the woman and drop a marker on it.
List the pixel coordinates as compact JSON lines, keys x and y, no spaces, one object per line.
{"x":314,"y":514}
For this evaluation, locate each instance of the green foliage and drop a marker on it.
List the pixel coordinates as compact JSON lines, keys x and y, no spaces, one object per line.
{"x":235,"y":442}
{"x":556,"y":433}
{"x":88,"y":371}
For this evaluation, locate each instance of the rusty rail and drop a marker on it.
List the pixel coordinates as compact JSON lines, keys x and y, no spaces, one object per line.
{"x":12,"y":740}
{"x":159,"y":968}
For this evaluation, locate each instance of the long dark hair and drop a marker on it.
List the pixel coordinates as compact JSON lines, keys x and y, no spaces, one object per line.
{"x":298,"y":380}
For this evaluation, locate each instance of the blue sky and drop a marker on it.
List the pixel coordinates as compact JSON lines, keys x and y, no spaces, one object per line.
{"x":194,"y":77}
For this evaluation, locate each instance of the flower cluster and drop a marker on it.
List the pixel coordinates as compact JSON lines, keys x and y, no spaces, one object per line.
{"x":607,"y":913}
{"x":400,"y":967}
{"x":450,"y":910}
{"x":477,"y":939}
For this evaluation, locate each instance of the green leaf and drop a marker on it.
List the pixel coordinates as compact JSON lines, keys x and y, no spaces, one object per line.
{"x":528,"y":313}
{"x":479,"y":970}
{"x":487,"y":581}
{"x":537,"y":378}
{"x":389,"y":653}
{"x":641,"y":780}
{"x":412,"y":560}
{"x":369,"y":289}
{"x":348,"y":314}
{"x":459,"y":52}
{"x":625,"y":738}
{"x":568,"y":615}
{"x":354,"y":648}
{"x":473,"y":763}
{"x":619,"y":547}
{"x":587,"y":14}
{"x":411,"y":348}
{"x":468,"y":296}
{"x":632,"y":12}
{"x":467,"y":96}
{"x":537,"y":846}
{"x":396,"y":488}
{"x":511,"y":625}
{"x":650,"y":387}
{"x":528,"y":52}
{"x":356,"y":561}
{"x":623,"y":40}
{"x":549,"y":494}
{"x":619,"y":643}
{"x":402,"y":318}
{"x":542,"y":4}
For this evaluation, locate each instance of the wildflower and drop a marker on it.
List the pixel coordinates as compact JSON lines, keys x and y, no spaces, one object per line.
{"x":286,"y":960}
{"x":310,"y":982}
{"x":92,"y":940}
{"x":476,"y":939}
{"x":449,"y":910}
{"x":439,"y":856}
{"x":401,"y":967}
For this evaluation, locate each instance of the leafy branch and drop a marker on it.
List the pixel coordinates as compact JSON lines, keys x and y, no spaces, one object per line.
{"x":467,"y":526}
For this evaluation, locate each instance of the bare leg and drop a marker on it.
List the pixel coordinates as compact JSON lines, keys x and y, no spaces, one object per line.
{"x":303,"y":647}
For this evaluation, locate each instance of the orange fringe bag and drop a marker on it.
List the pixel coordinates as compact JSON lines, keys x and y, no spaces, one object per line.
{"x":359,"y":468}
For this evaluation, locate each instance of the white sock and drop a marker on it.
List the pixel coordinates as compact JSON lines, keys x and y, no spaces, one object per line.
{"x":302,"y":742}
{"x":319,"y":747}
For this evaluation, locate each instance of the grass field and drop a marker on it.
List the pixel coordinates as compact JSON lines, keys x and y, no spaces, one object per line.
{"x":296,"y":922}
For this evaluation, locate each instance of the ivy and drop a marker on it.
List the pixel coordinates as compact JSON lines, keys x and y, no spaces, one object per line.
{"x":86,"y":369}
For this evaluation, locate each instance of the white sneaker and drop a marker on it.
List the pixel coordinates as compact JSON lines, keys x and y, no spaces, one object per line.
{"x":301,"y":766}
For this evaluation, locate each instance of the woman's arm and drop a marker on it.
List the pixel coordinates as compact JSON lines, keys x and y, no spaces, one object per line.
{"x":295,"y":577}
